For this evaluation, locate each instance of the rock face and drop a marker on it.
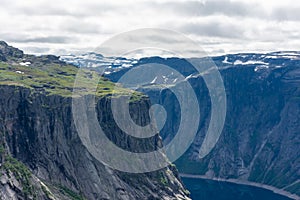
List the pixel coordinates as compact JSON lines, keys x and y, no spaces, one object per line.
{"x":7,"y":52}
{"x":260,"y":141}
{"x":44,"y":158}
{"x":40,"y":132}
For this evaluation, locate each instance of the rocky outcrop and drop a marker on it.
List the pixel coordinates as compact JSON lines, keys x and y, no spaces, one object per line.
{"x":14,"y":55}
{"x":7,"y":52}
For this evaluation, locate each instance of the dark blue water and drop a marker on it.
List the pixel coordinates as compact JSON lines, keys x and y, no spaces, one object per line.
{"x":214,"y":190}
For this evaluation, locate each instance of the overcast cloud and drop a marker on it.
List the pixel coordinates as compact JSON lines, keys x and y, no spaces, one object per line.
{"x":218,"y":26}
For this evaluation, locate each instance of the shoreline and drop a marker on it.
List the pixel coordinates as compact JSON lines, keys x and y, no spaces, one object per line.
{"x":243,"y":182}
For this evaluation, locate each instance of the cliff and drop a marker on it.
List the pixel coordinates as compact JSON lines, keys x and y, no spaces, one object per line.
{"x":42,"y":154}
{"x":260,"y":138}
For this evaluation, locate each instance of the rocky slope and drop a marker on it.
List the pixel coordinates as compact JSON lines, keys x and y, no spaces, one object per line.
{"x":260,"y":141}
{"x":42,"y":154}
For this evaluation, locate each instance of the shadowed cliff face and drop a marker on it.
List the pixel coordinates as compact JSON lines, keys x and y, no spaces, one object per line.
{"x":261,"y":135}
{"x":40,"y":132}
{"x":260,"y":139}
{"x":44,"y":158}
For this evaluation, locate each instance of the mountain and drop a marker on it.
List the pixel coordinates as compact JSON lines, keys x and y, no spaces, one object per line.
{"x":42,"y":155}
{"x":260,"y":141}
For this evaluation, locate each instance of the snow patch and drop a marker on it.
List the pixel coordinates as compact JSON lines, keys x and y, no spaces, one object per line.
{"x":125,"y":65}
{"x":153,"y":81}
{"x":250,"y":62}
{"x":188,"y":77}
{"x":25,"y":63}
{"x":19,"y":72}
{"x":261,"y":67}
{"x":226,"y":61}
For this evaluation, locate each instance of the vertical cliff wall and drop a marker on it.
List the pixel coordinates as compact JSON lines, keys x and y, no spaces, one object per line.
{"x":39,"y":132}
{"x":42,"y":156}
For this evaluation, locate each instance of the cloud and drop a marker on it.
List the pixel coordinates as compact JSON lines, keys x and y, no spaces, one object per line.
{"x":217,"y":24}
{"x":36,"y":49}
{"x":214,"y":7}
{"x":213,"y":29}
{"x":43,"y":10}
{"x":286,"y":14}
{"x":76,"y":9}
{"x":47,"y":39}
{"x":81,"y":27}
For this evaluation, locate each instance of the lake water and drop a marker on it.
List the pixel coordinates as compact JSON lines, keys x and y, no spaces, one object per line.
{"x":214,"y":190}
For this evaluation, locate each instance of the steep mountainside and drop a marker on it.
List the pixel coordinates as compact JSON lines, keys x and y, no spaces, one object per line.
{"x":260,"y":141}
{"x":42,"y":154}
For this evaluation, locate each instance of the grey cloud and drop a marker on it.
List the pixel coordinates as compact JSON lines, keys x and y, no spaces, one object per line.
{"x":232,"y":9}
{"x":154,"y":38}
{"x":151,"y":38}
{"x":36,"y":50}
{"x":215,"y":29}
{"x":225,"y":7}
{"x":11,"y":36}
{"x":48,"y":39}
{"x":44,"y":10}
{"x":50,"y":9}
{"x":188,"y":8}
{"x":101,"y":9}
{"x":286,"y":14}
{"x":36,"y":10}
{"x":80,"y":27}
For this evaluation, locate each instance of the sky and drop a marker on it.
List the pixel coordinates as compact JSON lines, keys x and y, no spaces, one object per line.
{"x":218,"y":26}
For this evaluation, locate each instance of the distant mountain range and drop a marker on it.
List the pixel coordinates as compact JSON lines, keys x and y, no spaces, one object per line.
{"x":115,"y":64}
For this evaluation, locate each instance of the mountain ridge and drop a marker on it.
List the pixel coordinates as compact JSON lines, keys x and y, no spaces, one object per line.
{"x":42,"y":156}
{"x":260,"y":139}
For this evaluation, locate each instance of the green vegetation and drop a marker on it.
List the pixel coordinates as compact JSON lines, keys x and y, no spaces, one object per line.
{"x":16,"y":168}
{"x":21,"y":172}
{"x":187,"y":192}
{"x":24,"y":177}
{"x":2,"y":150}
{"x":164,"y":180}
{"x":57,"y":79}
{"x":70,"y":193}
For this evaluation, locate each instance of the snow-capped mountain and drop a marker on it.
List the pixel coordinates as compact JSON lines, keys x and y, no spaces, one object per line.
{"x":115,"y":67}
{"x":109,"y":64}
